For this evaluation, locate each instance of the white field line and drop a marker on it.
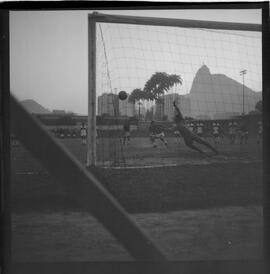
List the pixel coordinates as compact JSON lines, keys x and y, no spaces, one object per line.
{"x":149,"y":166}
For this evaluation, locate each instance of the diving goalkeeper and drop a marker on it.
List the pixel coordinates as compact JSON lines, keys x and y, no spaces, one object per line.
{"x":189,"y":137}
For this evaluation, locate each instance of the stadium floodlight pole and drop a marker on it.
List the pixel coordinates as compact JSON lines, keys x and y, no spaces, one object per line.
{"x":243,"y":72}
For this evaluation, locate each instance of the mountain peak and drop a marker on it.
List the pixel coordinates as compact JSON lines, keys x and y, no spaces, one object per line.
{"x":202,"y":77}
{"x":218,"y":94}
{"x":33,"y":107}
{"x":203,"y":70}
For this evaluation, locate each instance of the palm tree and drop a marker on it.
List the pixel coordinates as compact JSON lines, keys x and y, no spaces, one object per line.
{"x":155,"y":87}
{"x":159,"y":83}
{"x":136,"y":95}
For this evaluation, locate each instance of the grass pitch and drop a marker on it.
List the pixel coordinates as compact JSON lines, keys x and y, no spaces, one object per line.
{"x":180,"y":179}
{"x":179,"y":199}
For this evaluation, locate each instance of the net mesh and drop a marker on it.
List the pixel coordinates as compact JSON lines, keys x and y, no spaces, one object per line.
{"x":209,"y":63}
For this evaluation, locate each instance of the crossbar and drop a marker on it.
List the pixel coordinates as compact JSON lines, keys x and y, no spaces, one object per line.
{"x":171,"y":22}
{"x":82,"y":185}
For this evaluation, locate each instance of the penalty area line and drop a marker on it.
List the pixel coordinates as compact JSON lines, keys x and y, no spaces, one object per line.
{"x":179,"y":165}
{"x":31,"y":172}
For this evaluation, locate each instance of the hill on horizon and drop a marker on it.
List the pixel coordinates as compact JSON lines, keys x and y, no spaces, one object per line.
{"x":33,"y":107}
{"x":217,"y":95}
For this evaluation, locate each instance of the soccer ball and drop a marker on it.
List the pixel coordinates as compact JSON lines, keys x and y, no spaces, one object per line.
{"x":122,"y":95}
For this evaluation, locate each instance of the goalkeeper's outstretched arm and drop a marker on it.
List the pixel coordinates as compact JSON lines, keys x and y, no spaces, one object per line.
{"x":179,"y":114}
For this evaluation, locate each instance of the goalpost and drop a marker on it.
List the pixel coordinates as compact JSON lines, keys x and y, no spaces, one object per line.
{"x":125,"y":51}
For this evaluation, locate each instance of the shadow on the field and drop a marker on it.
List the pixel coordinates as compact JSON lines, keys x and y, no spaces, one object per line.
{"x":151,"y":190}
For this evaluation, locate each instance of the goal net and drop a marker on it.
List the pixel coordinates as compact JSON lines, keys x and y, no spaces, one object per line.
{"x":213,"y":74}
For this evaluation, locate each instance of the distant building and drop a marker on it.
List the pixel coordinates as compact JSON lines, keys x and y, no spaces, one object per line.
{"x":108,"y":103}
{"x":126,"y":108}
{"x":183,"y":101}
{"x":226,"y":115}
{"x":203,"y":117}
{"x":59,"y":111}
{"x":159,"y":111}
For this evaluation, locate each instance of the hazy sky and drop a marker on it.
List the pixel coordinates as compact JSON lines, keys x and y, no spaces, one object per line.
{"x":49,"y":53}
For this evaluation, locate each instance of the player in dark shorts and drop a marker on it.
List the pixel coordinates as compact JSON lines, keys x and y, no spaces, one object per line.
{"x":13,"y":140}
{"x":189,"y":137}
{"x":199,"y":129}
{"x":157,"y":132}
{"x":232,"y":132}
{"x":62,"y":133}
{"x":216,"y":131}
{"x":191,"y":127}
{"x":83,"y":133}
{"x":243,"y":134}
{"x":126,"y":137}
{"x":259,"y":132}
